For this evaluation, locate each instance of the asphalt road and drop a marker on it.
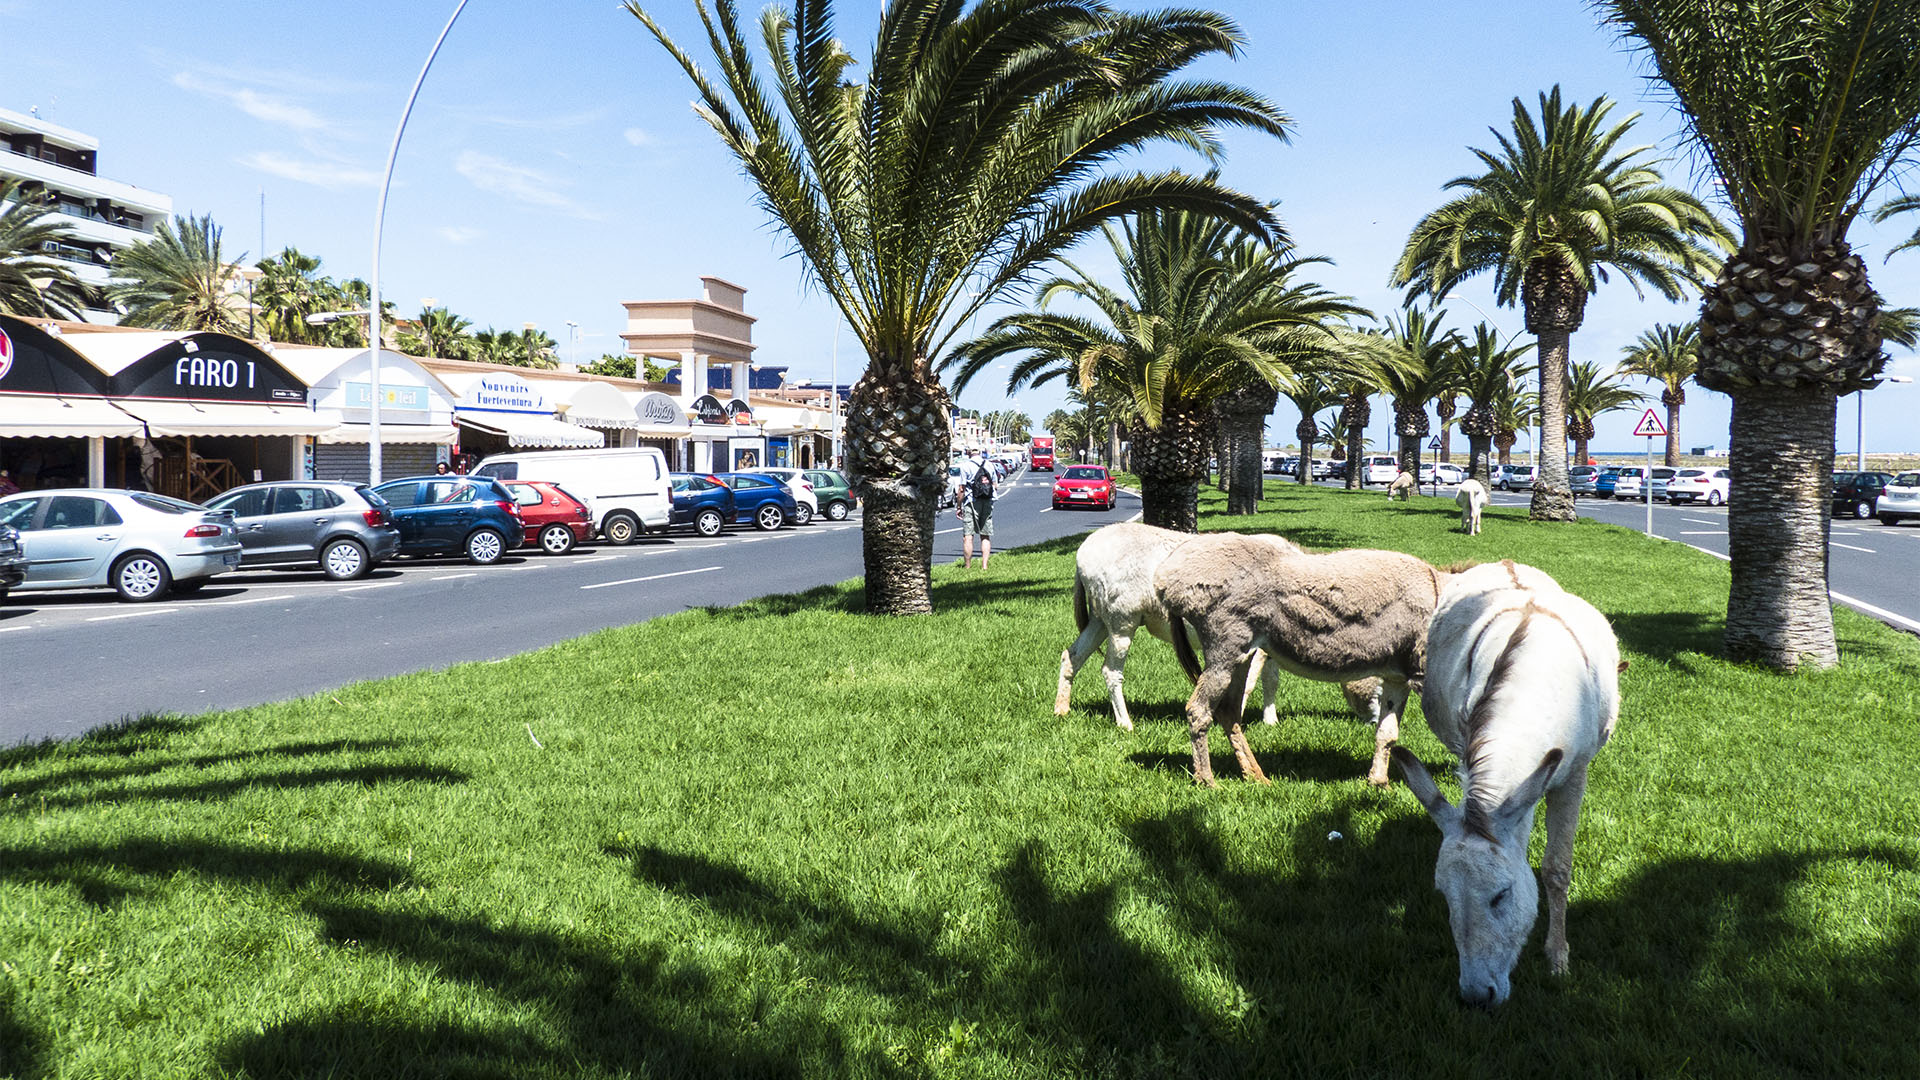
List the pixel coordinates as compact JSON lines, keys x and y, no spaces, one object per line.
{"x":76,"y":660}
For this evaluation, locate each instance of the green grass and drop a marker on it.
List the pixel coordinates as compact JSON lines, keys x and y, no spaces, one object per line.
{"x":791,"y":840}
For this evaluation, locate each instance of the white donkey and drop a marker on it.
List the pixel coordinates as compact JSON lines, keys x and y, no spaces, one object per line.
{"x":1523,"y":686}
{"x":1114,"y":597}
{"x":1472,"y":498}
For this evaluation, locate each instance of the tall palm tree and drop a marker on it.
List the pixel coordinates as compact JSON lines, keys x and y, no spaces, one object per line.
{"x":179,"y":280}
{"x":1312,"y":393}
{"x":1593,"y":393}
{"x":31,"y":281}
{"x":1559,"y":206}
{"x":1418,"y":365}
{"x":1806,"y":109}
{"x":1514,"y":411}
{"x":1203,"y":311}
{"x":978,"y":149}
{"x":1668,"y":354}
{"x":440,"y":334}
{"x":1490,"y":372}
{"x":290,"y":288}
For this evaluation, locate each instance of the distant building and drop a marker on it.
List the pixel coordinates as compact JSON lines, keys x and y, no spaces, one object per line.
{"x":100,"y":217}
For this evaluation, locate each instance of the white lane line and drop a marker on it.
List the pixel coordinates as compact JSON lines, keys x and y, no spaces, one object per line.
{"x":375,"y":585}
{"x":11,"y":629}
{"x":1703,"y":532}
{"x":655,"y":577}
{"x":1701,"y":521}
{"x":1878,"y":612}
{"x":242,"y":600}
{"x":1715,"y":554}
{"x":748,"y":540}
{"x":1851,"y":547}
{"x":941,"y":532}
{"x":451,"y":577}
{"x":134,"y":614}
{"x":1048,"y":510}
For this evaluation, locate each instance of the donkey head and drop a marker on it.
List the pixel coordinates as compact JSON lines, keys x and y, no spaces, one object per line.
{"x":1492,"y":897}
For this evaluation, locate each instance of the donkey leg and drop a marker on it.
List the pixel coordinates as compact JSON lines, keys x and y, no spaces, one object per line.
{"x":1556,"y":870}
{"x":1269,"y":690}
{"x":1236,"y":734}
{"x":1113,"y":668}
{"x":1213,"y":688}
{"x":1073,"y":659}
{"x":1393,"y":701}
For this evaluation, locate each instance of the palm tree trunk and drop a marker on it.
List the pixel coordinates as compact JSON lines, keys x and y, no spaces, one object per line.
{"x":1249,"y":483}
{"x":1171,"y":461}
{"x":898,"y":440}
{"x":1673,"y":435}
{"x":1579,"y":453}
{"x":1353,"y":475}
{"x":1781,"y":456}
{"x":1479,"y":466}
{"x":1552,"y":499}
{"x":1303,"y":469}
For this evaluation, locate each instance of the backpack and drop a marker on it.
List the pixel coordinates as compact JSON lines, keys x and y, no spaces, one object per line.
{"x":981,"y":486}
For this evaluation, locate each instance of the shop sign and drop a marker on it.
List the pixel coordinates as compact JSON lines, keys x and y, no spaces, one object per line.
{"x":33,"y":361}
{"x":658,"y":408}
{"x":210,"y":367}
{"x":505,"y":393}
{"x":707,"y":409}
{"x":406,"y":398}
{"x":6,"y":354}
{"x":740,"y":412}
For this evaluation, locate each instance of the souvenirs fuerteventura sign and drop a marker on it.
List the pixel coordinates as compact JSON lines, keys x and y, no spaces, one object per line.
{"x":1649,"y":426}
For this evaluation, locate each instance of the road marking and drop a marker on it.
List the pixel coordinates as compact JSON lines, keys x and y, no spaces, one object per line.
{"x":755,"y":539}
{"x":1701,"y":521}
{"x":242,"y":600}
{"x":655,"y":577}
{"x":1715,"y":554}
{"x":135,"y":614}
{"x":11,"y":629}
{"x":1851,"y":547}
{"x":1048,"y":510}
{"x":1703,"y":532}
{"x":1879,"y":612}
{"x":375,"y":585}
{"x":451,"y":577}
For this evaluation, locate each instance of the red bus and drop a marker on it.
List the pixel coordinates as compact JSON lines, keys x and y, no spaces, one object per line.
{"x":1042,"y":453}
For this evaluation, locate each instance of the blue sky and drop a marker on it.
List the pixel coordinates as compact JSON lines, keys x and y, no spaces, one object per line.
{"x":553,"y":167}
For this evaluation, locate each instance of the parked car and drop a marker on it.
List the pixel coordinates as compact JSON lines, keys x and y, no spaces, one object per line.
{"x":1323,"y":468}
{"x":1084,"y":485}
{"x":555,"y":519}
{"x":346,"y":529}
{"x":760,"y":499}
{"x":1711,"y":486}
{"x":1854,"y":493}
{"x":1581,"y":479}
{"x":13,"y":563}
{"x":702,"y":503}
{"x":806,"y":502}
{"x":1629,"y":482}
{"x":448,"y":515}
{"x":139,"y":544}
{"x":835,"y":493}
{"x":1336,"y":470}
{"x":1514,"y":478}
{"x":1900,"y":499}
{"x":1603,"y":484}
{"x":626,"y":488}
{"x":1447,"y":472}
{"x":1379,"y":469}
{"x":1661,"y":475}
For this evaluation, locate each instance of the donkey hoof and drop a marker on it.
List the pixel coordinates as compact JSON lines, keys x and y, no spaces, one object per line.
{"x":1123,"y":725}
{"x":1378,"y":780}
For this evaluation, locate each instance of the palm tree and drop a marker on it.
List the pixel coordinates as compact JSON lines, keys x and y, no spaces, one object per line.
{"x":1490,"y":372}
{"x":1311,"y":393}
{"x":1206,"y":310}
{"x":1559,"y":206}
{"x":1805,"y":109}
{"x":977,"y":150}
{"x":1417,"y":366}
{"x":440,"y":334}
{"x":32,"y":282}
{"x":1667,"y":354}
{"x":1514,"y":410}
{"x":179,"y":280}
{"x":290,"y":288}
{"x":1592,"y":393}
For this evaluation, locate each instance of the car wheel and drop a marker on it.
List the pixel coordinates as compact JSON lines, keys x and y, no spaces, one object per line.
{"x":141,"y":577}
{"x":768,"y":518}
{"x":803,"y":514}
{"x":1714,"y":499}
{"x":1862,"y":510}
{"x":708,"y":523}
{"x":484,"y":546}
{"x":343,"y":560}
{"x":1885,"y":519}
{"x":621,"y":529}
{"x":556,"y":539}
{"x":837,"y":511}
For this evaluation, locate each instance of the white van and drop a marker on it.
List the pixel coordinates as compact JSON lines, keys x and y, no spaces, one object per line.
{"x":626,"y":488}
{"x":1379,"y":469}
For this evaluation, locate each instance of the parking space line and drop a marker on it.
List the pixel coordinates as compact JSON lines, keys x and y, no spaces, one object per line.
{"x":451,"y":577}
{"x":375,"y":585}
{"x":1701,"y":521}
{"x":11,"y":629}
{"x":1703,"y":532}
{"x":1851,"y":547}
{"x":242,"y":600}
{"x":654,"y":577}
{"x":134,"y":614}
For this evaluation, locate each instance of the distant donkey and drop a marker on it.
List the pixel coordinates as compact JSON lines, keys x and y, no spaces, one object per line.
{"x":1523,"y":686}
{"x":1338,"y":617}
{"x":1472,"y":499}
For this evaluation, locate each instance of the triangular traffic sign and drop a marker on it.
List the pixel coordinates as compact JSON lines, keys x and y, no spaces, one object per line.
{"x":1649,"y":426}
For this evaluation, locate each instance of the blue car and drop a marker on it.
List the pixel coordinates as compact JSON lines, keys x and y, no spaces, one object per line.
{"x":451,"y":515}
{"x":760,"y":499}
{"x":1603,"y":483}
{"x":701,"y":501}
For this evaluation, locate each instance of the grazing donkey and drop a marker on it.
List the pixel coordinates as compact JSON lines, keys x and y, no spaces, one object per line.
{"x":1114,"y":597}
{"x":1523,"y":685}
{"x":1338,"y":617}
{"x":1472,"y":498}
{"x":1401,"y":488}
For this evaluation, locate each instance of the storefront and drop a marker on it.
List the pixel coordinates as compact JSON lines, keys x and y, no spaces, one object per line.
{"x":663,"y":425}
{"x":416,"y":413}
{"x":798,"y":437}
{"x":596,"y":406}
{"x":497,"y":412}
{"x":57,"y":427}
{"x":724,"y":437}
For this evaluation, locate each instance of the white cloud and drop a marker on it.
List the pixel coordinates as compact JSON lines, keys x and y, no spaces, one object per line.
{"x":637,"y":137}
{"x":265,"y":108}
{"x":324,"y":174}
{"x":459,"y":234}
{"x":518,"y":182}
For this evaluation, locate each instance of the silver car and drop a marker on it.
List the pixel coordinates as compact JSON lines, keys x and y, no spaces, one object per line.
{"x":139,"y":544}
{"x":346,"y":529}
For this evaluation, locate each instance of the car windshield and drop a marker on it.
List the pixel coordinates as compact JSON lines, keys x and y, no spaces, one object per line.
{"x":1082,"y":473}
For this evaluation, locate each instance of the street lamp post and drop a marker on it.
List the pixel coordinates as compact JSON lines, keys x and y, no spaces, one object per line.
{"x":573,"y":344}
{"x":1859,"y":422}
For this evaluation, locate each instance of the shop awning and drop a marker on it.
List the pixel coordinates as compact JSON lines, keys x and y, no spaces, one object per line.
{"x":595,"y":405}
{"x":31,"y":416}
{"x":532,"y":429}
{"x":394,"y":434}
{"x":792,"y":420}
{"x":225,"y":418}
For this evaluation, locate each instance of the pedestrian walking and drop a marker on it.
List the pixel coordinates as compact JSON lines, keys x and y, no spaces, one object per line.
{"x":975,"y":507}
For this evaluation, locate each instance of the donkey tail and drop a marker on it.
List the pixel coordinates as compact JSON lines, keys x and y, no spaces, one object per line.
{"x":1183,"y":648}
{"x":1080,"y":616}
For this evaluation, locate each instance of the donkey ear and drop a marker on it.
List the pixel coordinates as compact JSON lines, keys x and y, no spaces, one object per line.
{"x":1420,"y":782}
{"x":1520,"y":803}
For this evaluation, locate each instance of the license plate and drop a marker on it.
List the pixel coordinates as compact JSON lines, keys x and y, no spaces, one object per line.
{"x":1079,"y":495}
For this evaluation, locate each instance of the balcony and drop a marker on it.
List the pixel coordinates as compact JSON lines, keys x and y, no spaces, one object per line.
{"x":73,"y":181}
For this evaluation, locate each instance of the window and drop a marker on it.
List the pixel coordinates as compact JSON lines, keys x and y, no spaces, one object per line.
{"x":744,"y":483}
{"x":19,"y":512}
{"x":500,"y":470}
{"x":525,"y":494}
{"x":445,"y":491}
{"x":1904,"y":479}
{"x":165,"y":504}
{"x":300,"y":500}
{"x":407,"y":494}
{"x":244,"y":504}
{"x":79,"y":512}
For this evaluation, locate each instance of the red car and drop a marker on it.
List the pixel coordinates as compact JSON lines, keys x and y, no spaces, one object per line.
{"x":1083,"y":485}
{"x":555,"y":520}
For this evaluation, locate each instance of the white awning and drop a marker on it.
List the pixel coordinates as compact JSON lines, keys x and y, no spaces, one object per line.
{"x":532,"y":429}
{"x":32,"y":416}
{"x":792,"y":419}
{"x":401,"y":434}
{"x":594,"y":404}
{"x":225,"y":418}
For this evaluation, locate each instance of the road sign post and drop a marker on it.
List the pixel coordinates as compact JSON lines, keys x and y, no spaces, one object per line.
{"x":1433,"y":445}
{"x":1651,"y":427}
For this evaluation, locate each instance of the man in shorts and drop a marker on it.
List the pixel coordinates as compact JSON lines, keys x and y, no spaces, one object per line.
{"x":975,"y":507}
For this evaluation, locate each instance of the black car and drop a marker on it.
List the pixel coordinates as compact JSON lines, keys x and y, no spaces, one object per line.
{"x":13,"y":561}
{"x":1855,"y":492}
{"x":449,"y":515}
{"x":701,"y":501}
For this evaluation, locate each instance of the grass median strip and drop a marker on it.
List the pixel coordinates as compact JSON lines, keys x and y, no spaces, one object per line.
{"x":787,"y":839}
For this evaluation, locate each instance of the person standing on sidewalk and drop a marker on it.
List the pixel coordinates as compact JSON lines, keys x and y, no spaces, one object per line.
{"x":975,"y":507}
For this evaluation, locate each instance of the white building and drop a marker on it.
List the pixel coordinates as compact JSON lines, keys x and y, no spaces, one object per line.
{"x":101,"y":217}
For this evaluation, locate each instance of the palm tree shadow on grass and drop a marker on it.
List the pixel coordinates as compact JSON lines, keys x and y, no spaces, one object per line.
{"x":86,"y":774}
